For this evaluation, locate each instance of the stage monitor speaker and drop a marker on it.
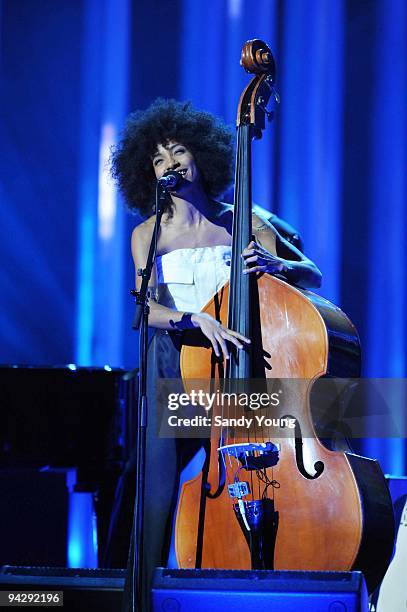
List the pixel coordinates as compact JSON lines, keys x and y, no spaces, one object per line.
{"x":251,"y":591}
{"x":84,"y":590}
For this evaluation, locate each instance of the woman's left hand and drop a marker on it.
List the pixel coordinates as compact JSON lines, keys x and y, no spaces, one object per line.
{"x":258,"y":259}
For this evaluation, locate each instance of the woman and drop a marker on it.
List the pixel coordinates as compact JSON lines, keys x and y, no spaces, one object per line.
{"x":173,"y":136}
{"x":193,"y":258}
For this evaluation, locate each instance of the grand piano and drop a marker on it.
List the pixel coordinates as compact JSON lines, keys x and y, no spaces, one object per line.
{"x":66,"y":435}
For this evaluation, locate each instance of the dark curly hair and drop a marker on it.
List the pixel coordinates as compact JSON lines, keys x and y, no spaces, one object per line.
{"x":209,"y":140}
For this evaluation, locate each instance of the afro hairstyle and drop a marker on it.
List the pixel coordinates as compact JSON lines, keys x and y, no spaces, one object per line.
{"x":207,"y":137}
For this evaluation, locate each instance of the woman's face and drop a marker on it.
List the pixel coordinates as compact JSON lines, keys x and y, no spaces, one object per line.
{"x":175,"y":156}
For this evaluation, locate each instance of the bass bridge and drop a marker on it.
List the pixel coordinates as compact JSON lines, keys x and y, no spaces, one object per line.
{"x":251,"y":455}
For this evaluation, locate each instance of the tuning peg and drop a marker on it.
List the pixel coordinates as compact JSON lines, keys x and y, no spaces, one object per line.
{"x":268,"y":113}
{"x":275,"y":95}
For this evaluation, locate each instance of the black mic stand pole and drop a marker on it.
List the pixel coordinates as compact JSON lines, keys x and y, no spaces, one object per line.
{"x":133,"y":592}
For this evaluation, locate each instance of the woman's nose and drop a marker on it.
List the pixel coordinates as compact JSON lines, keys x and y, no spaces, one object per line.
{"x":173,"y":165}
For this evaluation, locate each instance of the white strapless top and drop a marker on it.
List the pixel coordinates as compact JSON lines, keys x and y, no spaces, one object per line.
{"x":188,"y":278}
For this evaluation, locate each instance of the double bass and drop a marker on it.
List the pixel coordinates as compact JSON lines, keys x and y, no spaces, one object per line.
{"x":276,"y":499}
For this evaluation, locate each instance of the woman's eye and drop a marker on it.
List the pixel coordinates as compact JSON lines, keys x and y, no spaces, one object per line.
{"x":179,"y":151}
{"x":157,"y":162}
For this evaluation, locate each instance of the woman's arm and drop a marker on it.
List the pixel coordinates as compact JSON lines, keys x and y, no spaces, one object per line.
{"x":271,"y":253}
{"x":159,"y":316}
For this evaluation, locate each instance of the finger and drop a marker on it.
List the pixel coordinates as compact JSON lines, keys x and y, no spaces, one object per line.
{"x":223,"y":345}
{"x":232,"y":339}
{"x":237,"y":335}
{"x":215,"y":345}
{"x":254,"y":259}
{"x":248,"y":252}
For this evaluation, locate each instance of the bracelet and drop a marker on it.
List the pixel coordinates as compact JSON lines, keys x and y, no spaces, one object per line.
{"x":184,"y":323}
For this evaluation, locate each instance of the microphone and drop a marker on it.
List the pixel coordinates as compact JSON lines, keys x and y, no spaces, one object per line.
{"x":170,"y":179}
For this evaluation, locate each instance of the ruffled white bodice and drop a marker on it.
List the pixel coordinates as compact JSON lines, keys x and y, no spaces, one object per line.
{"x":188,"y":278}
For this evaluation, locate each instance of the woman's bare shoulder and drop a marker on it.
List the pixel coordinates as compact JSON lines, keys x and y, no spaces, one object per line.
{"x":144,"y":230}
{"x":141,"y":237}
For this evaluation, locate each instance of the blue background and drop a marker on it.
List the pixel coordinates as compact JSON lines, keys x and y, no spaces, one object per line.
{"x":333,"y":163}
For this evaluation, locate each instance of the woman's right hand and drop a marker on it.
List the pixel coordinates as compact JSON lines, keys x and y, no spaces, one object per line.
{"x":218,"y":334}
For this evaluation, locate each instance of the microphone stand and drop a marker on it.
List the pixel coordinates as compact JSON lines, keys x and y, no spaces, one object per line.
{"x":133,"y":592}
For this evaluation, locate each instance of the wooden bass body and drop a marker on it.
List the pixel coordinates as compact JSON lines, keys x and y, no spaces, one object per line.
{"x":326,"y":510}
